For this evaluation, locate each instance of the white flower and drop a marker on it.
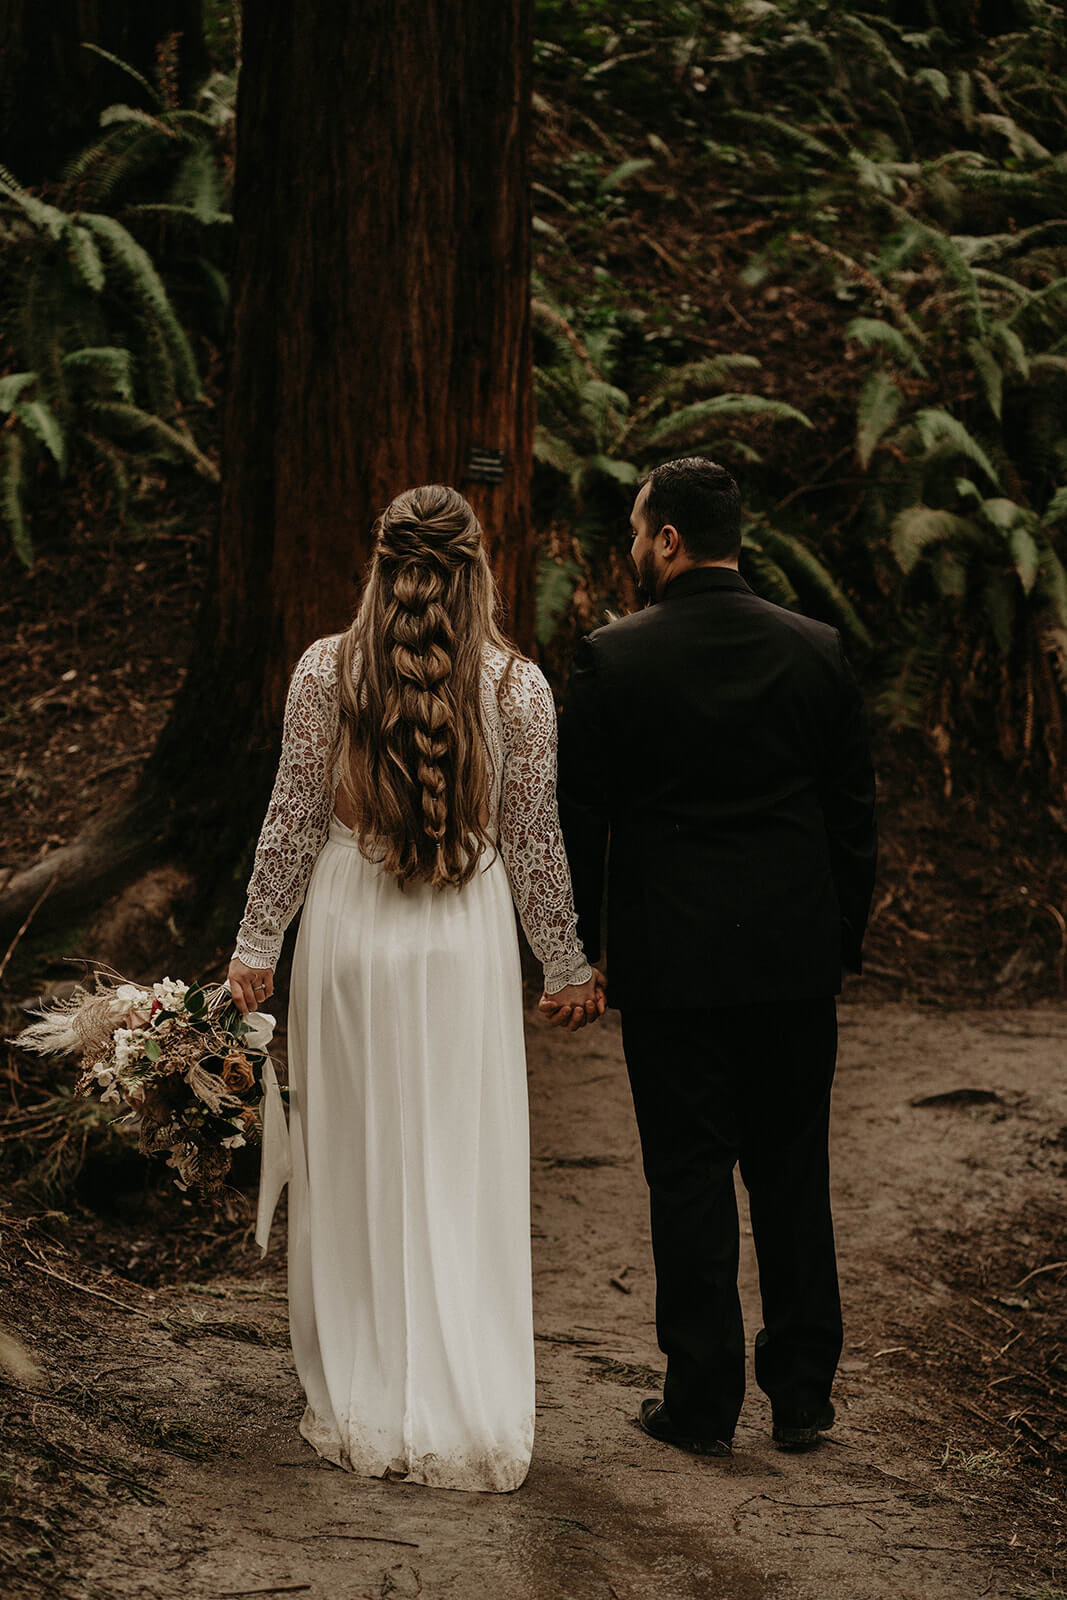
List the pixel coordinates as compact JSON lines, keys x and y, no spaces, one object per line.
{"x":129,"y":995}
{"x":234,"y":1142}
{"x":111,"y":1096}
{"x":103,"y":1072}
{"x":171,"y":993}
{"x":261,"y":1026}
{"x":129,"y":1046}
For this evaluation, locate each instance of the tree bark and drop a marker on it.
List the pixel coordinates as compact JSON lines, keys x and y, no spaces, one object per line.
{"x":52,"y":91}
{"x":380,"y":335}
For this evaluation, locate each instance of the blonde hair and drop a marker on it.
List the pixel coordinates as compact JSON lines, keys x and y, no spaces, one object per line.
{"x":409,"y":753}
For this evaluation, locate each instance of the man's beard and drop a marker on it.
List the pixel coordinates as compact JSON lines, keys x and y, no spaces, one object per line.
{"x":646,"y":578}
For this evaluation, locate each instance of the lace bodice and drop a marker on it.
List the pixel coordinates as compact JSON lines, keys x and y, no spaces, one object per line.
{"x":519,"y":727}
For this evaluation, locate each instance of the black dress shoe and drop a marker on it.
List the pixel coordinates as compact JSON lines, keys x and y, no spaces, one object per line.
{"x":654,"y":1419}
{"x":800,"y":1430}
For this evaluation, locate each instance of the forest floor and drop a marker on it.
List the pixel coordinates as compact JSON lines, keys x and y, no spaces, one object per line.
{"x":153,"y":1449}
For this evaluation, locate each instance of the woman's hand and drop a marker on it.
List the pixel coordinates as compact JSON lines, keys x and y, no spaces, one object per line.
{"x":250,"y":987}
{"x":572,"y":1007}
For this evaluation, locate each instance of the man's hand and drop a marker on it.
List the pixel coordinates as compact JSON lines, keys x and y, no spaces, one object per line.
{"x":575,"y":1005}
{"x":249,"y":986}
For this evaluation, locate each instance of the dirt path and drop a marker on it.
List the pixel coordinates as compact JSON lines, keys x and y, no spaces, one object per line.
{"x":917,"y":1492}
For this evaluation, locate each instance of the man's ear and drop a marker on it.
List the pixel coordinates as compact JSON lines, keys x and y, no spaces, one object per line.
{"x":672,"y":539}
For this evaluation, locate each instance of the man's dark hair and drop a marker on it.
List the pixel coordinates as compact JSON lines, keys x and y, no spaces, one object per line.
{"x":701,"y":500}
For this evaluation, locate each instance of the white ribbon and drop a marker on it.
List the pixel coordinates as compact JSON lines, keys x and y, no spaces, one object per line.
{"x":277,"y":1166}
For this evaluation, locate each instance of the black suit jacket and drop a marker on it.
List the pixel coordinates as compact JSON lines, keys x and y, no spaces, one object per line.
{"x":720,"y":742}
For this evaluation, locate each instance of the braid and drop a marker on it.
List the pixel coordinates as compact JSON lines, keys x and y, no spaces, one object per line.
{"x":419,"y":638}
{"x":409,"y":752}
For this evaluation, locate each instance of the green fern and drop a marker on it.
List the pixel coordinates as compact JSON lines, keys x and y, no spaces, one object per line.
{"x":873,"y":334}
{"x":916,"y":528}
{"x":879,"y":406}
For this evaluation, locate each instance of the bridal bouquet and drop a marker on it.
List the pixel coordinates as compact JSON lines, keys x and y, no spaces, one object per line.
{"x":183,"y":1061}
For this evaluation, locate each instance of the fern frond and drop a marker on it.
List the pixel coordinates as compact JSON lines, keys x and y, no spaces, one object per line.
{"x":556,"y":583}
{"x":623,"y":472}
{"x":799,"y":562}
{"x":1023,"y":145}
{"x":42,"y":422}
{"x":872,"y":333}
{"x":623,"y":173}
{"x":197,"y":184}
{"x":84,"y":257}
{"x":915,"y":529}
{"x":124,"y":66}
{"x":135,"y":267}
{"x":112,"y":116}
{"x":12,"y":385}
{"x":11,"y":498}
{"x":111,"y":459}
{"x":992,"y":378}
{"x":767,"y":577}
{"x":107,"y":364}
{"x":787,"y":131}
{"x":150,"y":434}
{"x":681,"y":426}
{"x":879,"y":404}
{"x":933,"y":79}
{"x":936,"y":426}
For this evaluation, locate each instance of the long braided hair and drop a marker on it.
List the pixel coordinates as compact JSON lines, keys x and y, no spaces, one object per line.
{"x":409,"y":755}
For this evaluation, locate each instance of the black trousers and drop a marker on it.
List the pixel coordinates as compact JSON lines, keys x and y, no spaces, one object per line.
{"x":711,"y":1088}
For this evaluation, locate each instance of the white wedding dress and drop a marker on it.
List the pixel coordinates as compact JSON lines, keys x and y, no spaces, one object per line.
{"x":409,"y":1230}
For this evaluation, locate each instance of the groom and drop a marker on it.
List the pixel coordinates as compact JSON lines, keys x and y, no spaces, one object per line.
{"x":714,"y":746}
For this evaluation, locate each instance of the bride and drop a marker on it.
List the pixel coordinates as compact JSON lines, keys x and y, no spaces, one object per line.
{"x":414,"y":801}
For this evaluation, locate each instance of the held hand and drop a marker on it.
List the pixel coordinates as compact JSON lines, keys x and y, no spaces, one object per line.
{"x":250,"y":987}
{"x":577,"y":1004}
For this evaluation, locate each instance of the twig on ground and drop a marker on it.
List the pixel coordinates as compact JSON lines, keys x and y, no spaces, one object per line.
{"x":1051,"y":1266}
{"x":37,"y":904}
{"x":98,"y":1294}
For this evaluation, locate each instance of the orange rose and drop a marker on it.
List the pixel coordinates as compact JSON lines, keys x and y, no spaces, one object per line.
{"x":237,"y":1072}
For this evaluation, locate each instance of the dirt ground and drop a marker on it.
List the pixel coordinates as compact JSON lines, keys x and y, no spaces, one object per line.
{"x":186,"y":1478}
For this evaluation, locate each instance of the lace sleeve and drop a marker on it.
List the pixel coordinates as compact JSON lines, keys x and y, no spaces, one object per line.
{"x":297,"y":819}
{"x":531,"y":843}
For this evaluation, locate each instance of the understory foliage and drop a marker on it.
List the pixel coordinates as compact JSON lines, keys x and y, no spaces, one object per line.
{"x":99,"y":366}
{"x":904,"y":165}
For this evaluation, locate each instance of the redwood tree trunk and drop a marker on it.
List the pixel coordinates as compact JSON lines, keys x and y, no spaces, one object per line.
{"x":380,"y":335}
{"x":52,"y":91}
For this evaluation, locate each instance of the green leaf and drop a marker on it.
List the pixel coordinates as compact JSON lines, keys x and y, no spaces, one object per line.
{"x":556,"y":583}
{"x":988,"y":369}
{"x":109,"y":364}
{"x":152,"y":1049}
{"x":936,"y":426}
{"x":12,"y":385}
{"x":622,"y":173}
{"x":681,"y":426}
{"x":622,"y":471}
{"x":1057,"y":506}
{"x":872,"y":333}
{"x":124,"y":66}
{"x":915,"y":529}
{"x":150,"y":434}
{"x":879,"y":403}
{"x":930,"y":78}
{"x":1026,"y":556}
{"x":11,"y":498}
{"x":42,"y":422}
{"x":84,"y":257}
